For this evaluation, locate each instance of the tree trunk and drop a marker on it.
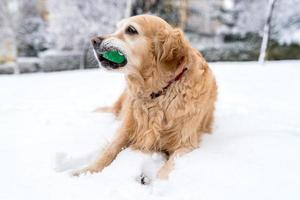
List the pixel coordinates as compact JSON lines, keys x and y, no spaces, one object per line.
{"x":266,"y":34}
{"x":128,"y":9}
{"x":183,"y":13}
{"x":8,"y":48}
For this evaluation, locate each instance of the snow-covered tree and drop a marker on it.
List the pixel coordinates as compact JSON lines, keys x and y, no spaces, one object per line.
{"x":31,"y":32}
{"x":169,"y":10}
{"x":286,"y":21}
{"x":7,"y":30}
{"x":73,"y":22}
{"x":251,"y":17}
{"x":267,"y":30}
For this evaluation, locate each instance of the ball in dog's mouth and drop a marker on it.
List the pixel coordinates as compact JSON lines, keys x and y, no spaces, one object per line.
{"x":111,"y":58}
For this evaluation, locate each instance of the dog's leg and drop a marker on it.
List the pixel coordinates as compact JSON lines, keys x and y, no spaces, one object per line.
{"x":106,"y":158}
{"x":110,"y":153}
{"x":164,"y":171}
{"x":116,"y":108}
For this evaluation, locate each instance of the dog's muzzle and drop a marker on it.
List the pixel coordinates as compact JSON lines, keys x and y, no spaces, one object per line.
{"x":100,"y":48}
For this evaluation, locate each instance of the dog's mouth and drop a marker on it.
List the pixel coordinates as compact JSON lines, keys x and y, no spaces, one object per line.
{"x":111,"y":57}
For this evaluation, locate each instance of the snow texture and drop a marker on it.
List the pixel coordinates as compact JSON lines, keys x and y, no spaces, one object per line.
{"x":47,"y":130}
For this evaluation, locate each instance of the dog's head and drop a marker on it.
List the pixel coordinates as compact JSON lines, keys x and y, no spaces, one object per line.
{"x":145,"y":41}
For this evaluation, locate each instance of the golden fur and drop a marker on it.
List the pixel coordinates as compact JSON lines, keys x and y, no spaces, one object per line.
{"x":173,"y":122}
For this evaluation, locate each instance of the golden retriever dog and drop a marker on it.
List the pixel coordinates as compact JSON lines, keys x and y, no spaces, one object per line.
{"x":168,"y":102}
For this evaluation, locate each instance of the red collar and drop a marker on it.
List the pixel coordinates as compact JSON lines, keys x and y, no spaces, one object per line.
{"x":154,"y":95}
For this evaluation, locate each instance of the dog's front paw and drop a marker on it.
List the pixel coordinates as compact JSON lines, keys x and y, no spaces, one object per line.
{"x":143,"y":179}
{"x":105,"y":109}
{"x":163,"y":172}
{"x":85,"y":171}
{"x":79,"y":172}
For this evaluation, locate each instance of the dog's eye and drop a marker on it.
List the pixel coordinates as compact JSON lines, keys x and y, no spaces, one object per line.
{"x":131,"y":30}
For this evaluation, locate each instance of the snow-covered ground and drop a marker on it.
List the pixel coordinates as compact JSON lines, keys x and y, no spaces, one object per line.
{"x":47,"y":130}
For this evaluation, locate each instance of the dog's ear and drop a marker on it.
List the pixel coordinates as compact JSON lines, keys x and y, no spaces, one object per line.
{"x":170,"y":45}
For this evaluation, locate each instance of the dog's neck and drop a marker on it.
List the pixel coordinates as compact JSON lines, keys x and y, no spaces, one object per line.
{"x":150,"y":84}
{"x":154,"y":95}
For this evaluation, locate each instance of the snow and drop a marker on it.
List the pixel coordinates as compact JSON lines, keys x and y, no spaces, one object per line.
{"x":47,"y":130}
{"x":228,"y":4}
{"x":291,"y":36}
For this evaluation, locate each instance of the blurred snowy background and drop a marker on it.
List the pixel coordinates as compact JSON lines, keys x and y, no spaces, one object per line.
{"x":47,"y":124}
{"x":53,"y":35}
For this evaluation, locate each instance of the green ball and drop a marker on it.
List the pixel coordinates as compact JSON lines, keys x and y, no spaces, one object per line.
{"x":114,"y":56}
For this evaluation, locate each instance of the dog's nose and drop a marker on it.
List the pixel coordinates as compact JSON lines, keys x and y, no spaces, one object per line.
{"x":96,"y":41}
